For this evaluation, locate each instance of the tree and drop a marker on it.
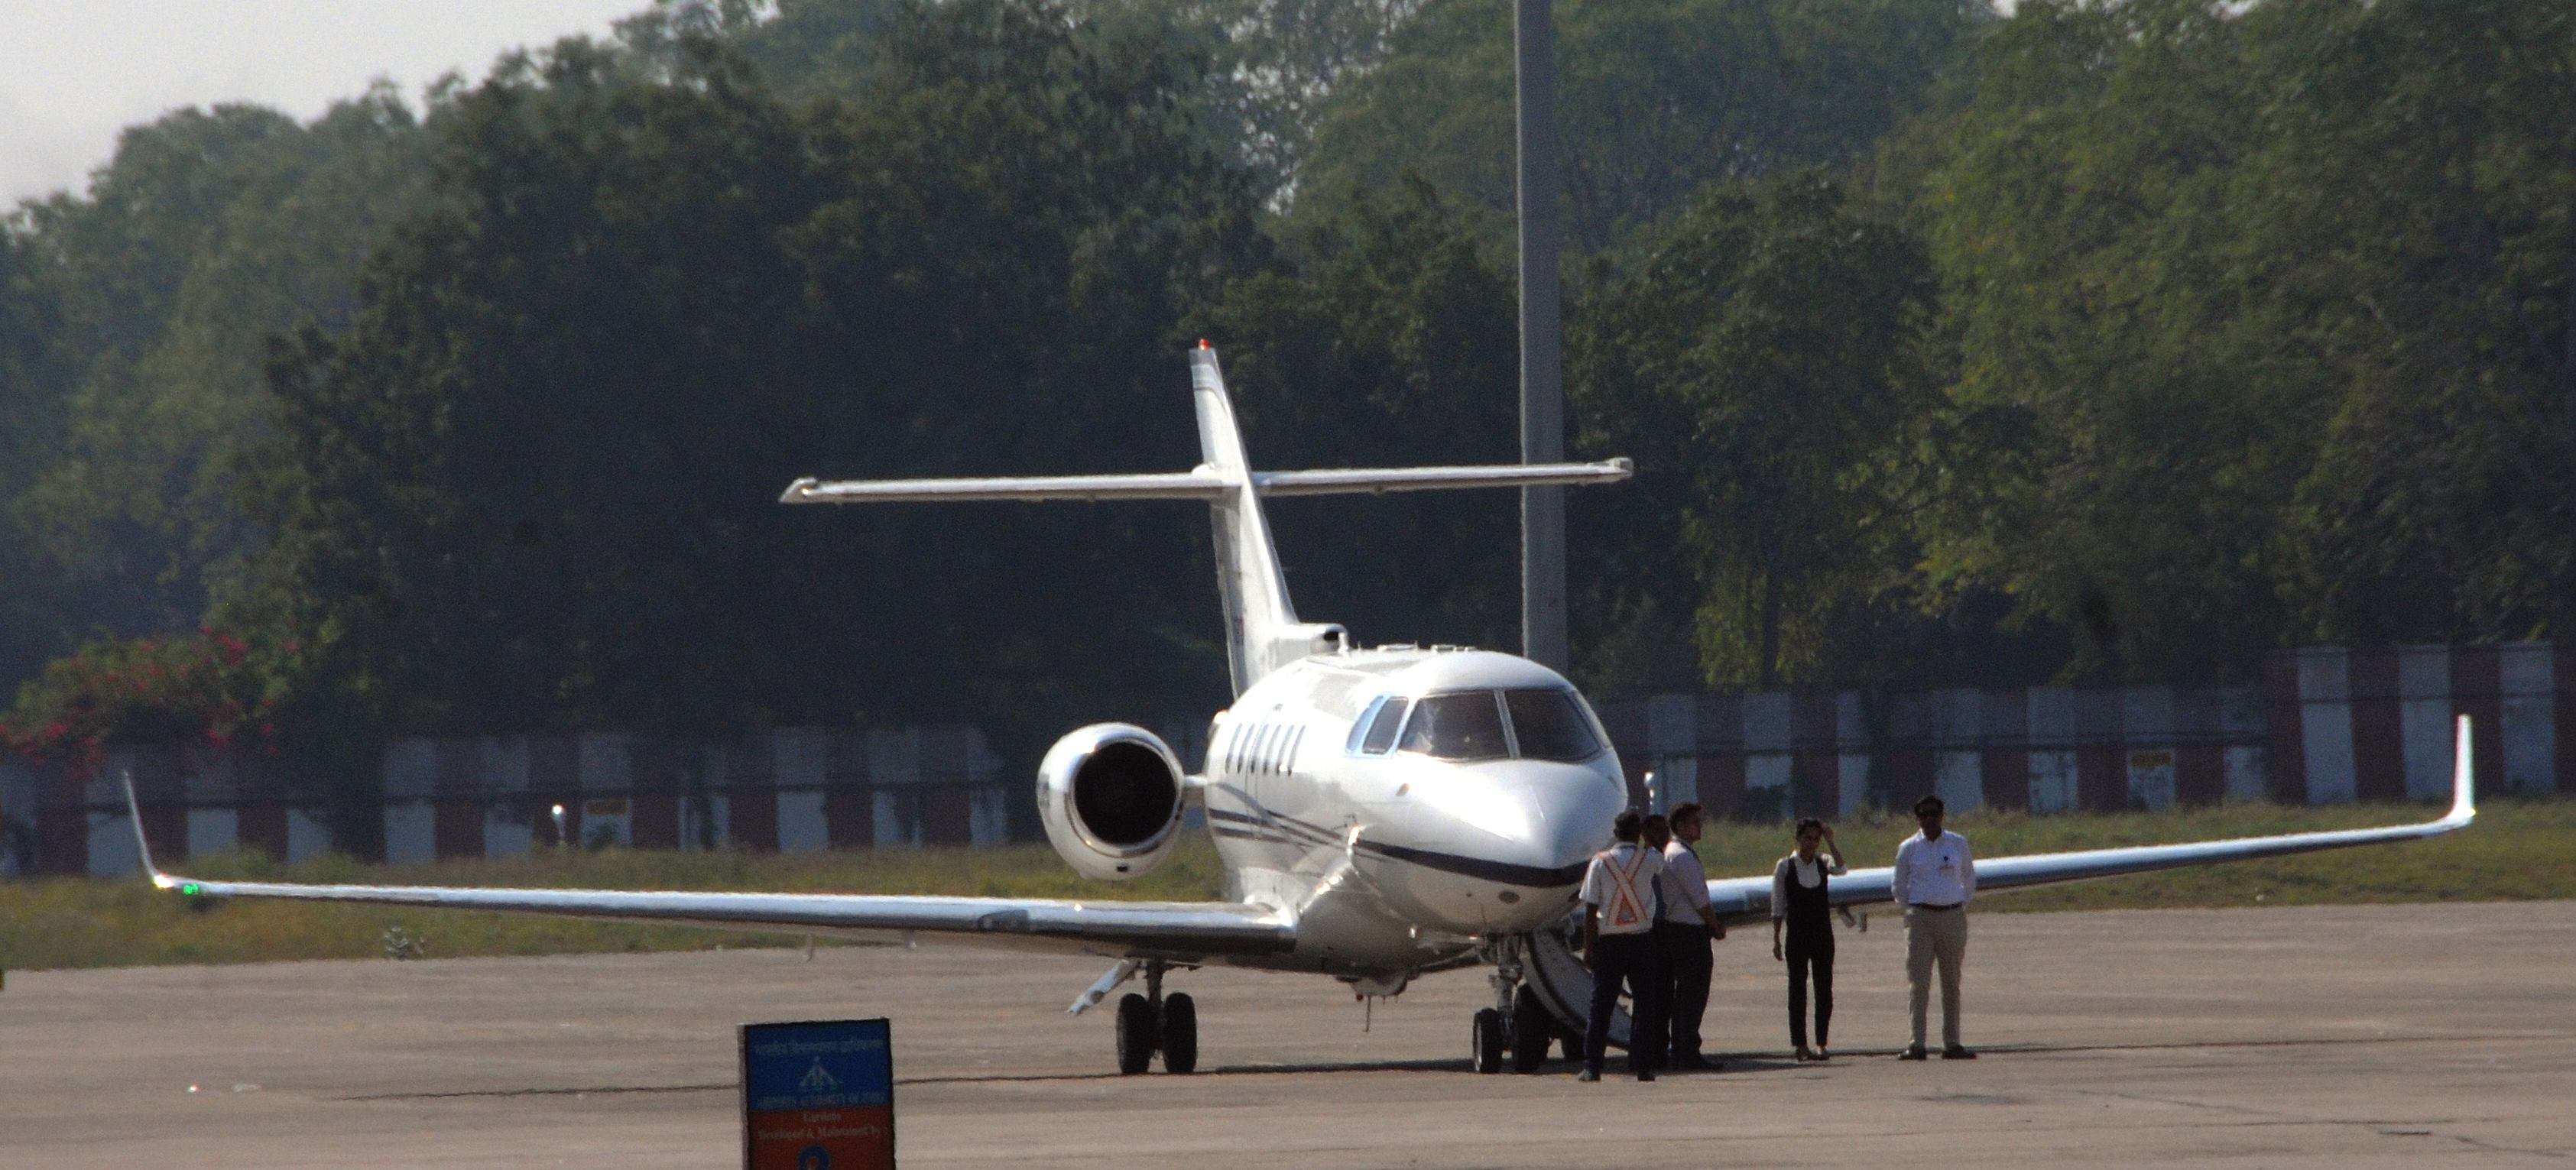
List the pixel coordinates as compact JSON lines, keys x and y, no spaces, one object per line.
{"x":2227,"y":378}
{"x":1657,"y":96}
{"x":1758,"y":362}
{"x":1389,"y":341}
{"x":2439,"y":300}
{"x":534,"y":482}
{"x":33,"y":383}
{"x":517,"y":490}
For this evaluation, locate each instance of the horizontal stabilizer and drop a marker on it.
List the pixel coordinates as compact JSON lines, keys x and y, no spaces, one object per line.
{"x":1419,"y":479}
{"x":1205,"y":484}
{"x":1185,"y":485}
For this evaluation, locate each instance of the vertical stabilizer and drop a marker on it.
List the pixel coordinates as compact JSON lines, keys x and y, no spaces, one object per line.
{"x":1262,"y":632}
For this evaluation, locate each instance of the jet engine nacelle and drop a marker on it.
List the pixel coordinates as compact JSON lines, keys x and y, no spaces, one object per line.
{"x":1111,"y":795}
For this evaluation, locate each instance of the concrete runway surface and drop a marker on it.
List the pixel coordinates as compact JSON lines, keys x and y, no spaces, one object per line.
{"x":2271,"y":1037}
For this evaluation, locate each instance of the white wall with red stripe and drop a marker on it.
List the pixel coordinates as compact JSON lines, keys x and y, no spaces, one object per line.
{"x":2326,"y":725}
{"x":787,"y":790}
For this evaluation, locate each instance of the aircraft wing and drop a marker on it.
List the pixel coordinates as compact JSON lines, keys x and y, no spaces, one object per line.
{"x":1748,"y":899}
{"x":1175,"y":931}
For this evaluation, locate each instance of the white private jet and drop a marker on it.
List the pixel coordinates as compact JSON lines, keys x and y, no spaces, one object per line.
{"x":1381,"y":813}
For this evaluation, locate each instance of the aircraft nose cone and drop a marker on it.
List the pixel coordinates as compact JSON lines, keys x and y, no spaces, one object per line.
{"x":1569,"y":810}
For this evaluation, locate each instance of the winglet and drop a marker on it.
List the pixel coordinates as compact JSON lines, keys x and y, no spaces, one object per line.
{"x":2464,"y":788}
{"x":142,"y":843}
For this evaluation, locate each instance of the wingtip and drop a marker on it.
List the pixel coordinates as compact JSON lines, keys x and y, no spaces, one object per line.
{"x":142,"y":840}
{"x":797,"y":492}
{"x":2464,"y":786}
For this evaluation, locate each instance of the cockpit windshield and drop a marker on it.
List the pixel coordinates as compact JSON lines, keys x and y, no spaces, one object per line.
{"x":1546,"y":724}
{"x":1465,"y":726}
{"x":1549,"y":725}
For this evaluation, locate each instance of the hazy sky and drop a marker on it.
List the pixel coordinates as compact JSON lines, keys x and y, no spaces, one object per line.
{"x":74,"y":72}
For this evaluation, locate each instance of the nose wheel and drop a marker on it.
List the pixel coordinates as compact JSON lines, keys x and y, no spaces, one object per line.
{"x":1154,"y":1022}
{"x":1518,"y":1029}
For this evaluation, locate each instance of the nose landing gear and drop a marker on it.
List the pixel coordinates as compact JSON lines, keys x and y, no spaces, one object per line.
{"x":1154,"y":1022}
{"x":1519,"y":1027}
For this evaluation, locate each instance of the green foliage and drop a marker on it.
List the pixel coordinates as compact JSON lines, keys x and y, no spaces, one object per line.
{"x":2261,"y":325}
{"x":209,"y":233}
{"x":1657,"y":97}
{"x":2438,"y":302}
{"x":1390,"y":340}
{"x":2151,"y":336}
{"x":534,"y":483}
{"x":33,"y":601}
{"x":1756,"y":359}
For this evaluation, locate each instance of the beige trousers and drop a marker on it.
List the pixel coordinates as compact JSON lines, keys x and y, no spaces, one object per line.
{"x":1935,"y":936}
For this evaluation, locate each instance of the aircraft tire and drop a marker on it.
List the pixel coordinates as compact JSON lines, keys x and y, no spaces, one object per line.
{"x":1572,"y":1042}
{"x":1135,"y":1034}
{"x":1180,"y":1033}
{"x":1533,"y":1027}
{"x":1486,"y":1042}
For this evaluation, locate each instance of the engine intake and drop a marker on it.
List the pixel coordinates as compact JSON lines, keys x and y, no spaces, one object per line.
{"x":1111,"y":795}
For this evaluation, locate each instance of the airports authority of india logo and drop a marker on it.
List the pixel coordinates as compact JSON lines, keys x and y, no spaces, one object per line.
{"x":818,"y":1095}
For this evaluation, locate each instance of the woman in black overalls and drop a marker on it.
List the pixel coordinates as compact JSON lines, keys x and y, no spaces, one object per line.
{"x":1799,"y":898}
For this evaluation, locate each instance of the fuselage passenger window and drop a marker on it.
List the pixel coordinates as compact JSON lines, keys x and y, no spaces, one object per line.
{"x":1467,"y":726}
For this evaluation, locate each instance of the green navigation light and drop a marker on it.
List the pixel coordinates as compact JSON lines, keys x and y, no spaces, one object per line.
{"x":191,"y":888}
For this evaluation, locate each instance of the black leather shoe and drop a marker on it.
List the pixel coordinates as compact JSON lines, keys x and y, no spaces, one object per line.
{"x":1645,"y":1074}
{"x":1955,"y":1052}
{"x":1913,"y":1053}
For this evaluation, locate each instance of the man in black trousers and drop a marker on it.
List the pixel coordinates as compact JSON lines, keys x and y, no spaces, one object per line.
{"x":1619,"y":944}
{"x":1682,"y":931}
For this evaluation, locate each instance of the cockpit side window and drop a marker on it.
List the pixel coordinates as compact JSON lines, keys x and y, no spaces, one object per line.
{"x":1382,"y":725}
{"x":1465,"y":726}
{"x":1549,"y":725}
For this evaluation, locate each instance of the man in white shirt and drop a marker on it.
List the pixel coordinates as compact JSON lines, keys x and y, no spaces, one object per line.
{"x":1619,"y":943}
{"x":1935,"y":876}
{"x":1682,"y":932}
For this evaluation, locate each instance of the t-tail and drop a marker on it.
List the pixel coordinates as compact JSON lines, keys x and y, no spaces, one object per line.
{"x":1263,"y":632}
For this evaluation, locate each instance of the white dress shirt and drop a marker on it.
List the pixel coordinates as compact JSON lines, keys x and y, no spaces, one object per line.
{"x":1683,"y":886}
{"x":1621,"y":885}
{"x":1938,"y":872}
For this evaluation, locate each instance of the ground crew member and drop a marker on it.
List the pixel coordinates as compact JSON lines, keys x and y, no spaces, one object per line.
{"x":1619,"y":943}
{"x":1799,"y":899}
{"x":1934,"y":879}
{"x":1682,"y":932}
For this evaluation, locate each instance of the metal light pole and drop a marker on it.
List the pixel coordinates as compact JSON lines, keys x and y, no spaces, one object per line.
{"x":1542,"y":362}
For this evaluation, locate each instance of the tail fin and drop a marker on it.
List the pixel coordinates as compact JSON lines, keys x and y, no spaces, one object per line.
{"x":1262,"y":630}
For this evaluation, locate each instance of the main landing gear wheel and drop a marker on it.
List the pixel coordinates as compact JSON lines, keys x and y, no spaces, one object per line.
{"x":1136,"y":1034}
{"x":1180,"y":1033}
{"x":1487,"y":1044}
{"x":1533,"y":1026}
